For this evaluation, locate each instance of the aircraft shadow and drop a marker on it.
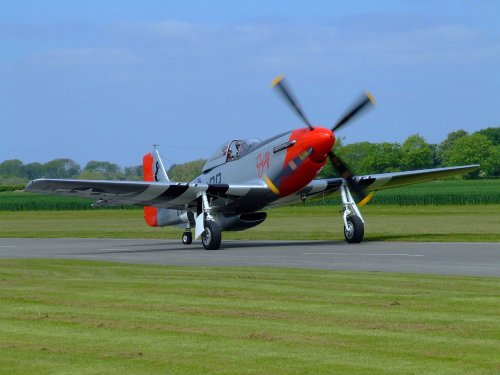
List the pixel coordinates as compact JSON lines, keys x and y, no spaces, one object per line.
{"x":247,"y":244}
{"x":225,"y":245}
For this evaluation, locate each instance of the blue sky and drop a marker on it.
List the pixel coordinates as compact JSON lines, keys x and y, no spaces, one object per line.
{"x":104,"y":80}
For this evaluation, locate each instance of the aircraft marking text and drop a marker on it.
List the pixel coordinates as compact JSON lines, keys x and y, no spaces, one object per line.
{"x":262,"y":163}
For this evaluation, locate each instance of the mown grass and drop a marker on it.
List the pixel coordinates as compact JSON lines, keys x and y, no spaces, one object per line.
{"x":442,"y":192}
{"x":60,"y":317}
{"x":383,"y":223}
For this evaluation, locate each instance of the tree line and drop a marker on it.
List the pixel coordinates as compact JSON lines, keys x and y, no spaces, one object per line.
{"x":14,"y":172}
{"x":459,"y":148}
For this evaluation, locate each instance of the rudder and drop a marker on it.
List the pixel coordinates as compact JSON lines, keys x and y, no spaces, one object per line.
{"x":150,"y":213}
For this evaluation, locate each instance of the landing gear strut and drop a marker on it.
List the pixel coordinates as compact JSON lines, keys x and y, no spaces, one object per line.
{"x":206,"y":226}
{"x":354,"y":225}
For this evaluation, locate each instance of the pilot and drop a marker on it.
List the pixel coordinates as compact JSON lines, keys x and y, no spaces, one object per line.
{"x":229,"y":154}
{"x":238,"y":145}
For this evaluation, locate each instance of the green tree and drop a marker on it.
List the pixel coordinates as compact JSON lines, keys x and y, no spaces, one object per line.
{"x":446,"y":144}
{"x":102,"y":170}
{"x":386,"y":158}
{"x":186,"y":172}
{"x":12,"y":168}
{"x":494,"y":165}
{"x":133,"y":173}
{"x":493,"y":134}
{"x":61,"y":168}
{"x":416,"y":153}
{"x":367,"y":158}
{"x":33,"y":170}
{"x":355,"y":155}
{"x":473,"y":149}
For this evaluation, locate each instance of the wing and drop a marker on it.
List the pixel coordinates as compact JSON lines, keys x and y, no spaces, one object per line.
{"x":158,"y":194}
{"x":390,"y":180}
{"x":224,"y":197}
{"x":330,"y":187}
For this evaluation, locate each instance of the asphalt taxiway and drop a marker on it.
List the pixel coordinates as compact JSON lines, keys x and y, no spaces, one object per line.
{"x":480,"y":259}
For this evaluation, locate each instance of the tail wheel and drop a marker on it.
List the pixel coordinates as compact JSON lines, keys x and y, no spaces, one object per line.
{"x":355,"y":230}
{"x":211,"y":237}
{"x":187,"y":238}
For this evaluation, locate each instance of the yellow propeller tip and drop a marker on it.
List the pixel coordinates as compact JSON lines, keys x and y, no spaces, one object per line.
{"x":271,"y":186}
{"x":277,"y":80}
{"x":371,"y":97}
{"x":366,"y":199}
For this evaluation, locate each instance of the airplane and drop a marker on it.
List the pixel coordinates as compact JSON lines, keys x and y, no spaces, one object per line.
{"x":245,"y":177}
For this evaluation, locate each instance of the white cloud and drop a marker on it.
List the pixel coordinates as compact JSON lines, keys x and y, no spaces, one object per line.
{"x":293,"y":43}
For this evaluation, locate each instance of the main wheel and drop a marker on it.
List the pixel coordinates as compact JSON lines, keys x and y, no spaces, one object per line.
{"x":211,"y":237}
{"x":187,"y":238}
{"x":355,"y":230}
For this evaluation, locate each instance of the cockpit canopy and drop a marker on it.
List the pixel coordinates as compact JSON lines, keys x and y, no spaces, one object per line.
{"x":230,"y":151}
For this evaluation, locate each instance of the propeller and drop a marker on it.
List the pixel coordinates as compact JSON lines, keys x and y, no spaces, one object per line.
{"x":292,"y":165}
{"x":360,"y":105}
{"x":346,"y":174}
{"x":286,"y":93}
{"x":363,"y":103}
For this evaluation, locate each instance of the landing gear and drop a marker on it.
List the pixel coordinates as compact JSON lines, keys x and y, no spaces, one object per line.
{"x":211,"y":236}
{"x":187,"y":238}
{"x":354,"y":225}
{"x":354,"y":230}
{"x":206,"y":226}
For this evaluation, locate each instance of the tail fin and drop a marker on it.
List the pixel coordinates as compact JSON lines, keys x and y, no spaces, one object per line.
{"x":153,"y":170}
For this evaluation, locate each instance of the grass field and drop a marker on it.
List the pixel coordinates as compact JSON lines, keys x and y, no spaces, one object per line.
{"x":62,"y":316}
{"x":76,"y":317}
{"x":383,"y":223}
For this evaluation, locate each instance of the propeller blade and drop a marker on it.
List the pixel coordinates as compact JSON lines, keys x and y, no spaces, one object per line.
{"x":284,"y":90}
{"x":292,"y":165}
{"x":362,"y":104}
{"x":346,"y":174}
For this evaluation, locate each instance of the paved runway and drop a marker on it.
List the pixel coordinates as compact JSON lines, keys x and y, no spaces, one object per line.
{"x":482,"y":259}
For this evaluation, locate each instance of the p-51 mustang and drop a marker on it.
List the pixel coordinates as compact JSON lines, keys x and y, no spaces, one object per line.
{"x":246,"y":176}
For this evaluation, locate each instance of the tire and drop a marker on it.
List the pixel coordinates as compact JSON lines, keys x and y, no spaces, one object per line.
{"x":211,"y":236}
{"x":187,"y":238}
{"x":355,"y":230}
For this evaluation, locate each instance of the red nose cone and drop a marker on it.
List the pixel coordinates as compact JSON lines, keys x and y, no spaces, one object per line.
{"x":322,"y":141}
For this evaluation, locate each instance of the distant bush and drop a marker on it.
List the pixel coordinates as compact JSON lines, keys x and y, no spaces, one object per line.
{"x":11,"y":187}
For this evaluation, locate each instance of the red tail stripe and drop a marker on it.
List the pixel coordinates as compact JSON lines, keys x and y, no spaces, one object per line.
{"x":147,"y":167}
{"x":150,"y":213}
